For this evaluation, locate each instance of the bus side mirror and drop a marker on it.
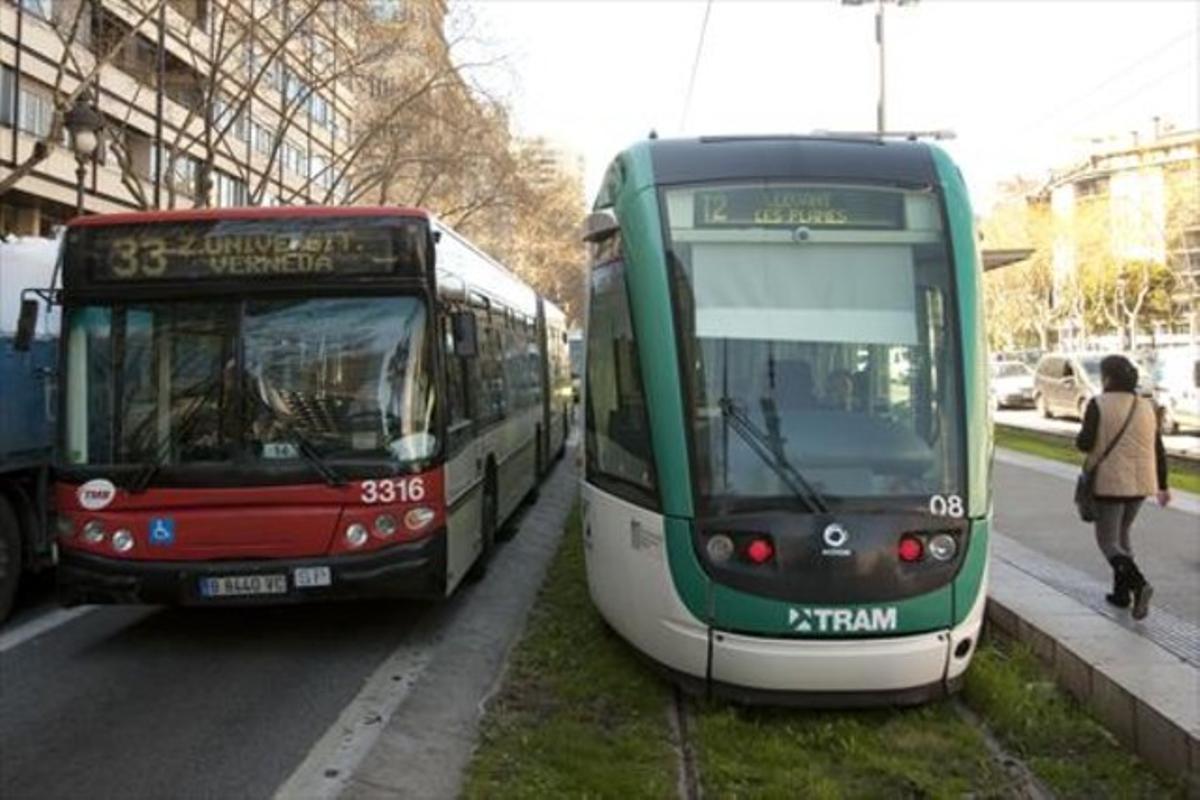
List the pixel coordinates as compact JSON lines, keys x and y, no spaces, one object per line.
{"x":466,"y":343}
{"x":26,"y":326}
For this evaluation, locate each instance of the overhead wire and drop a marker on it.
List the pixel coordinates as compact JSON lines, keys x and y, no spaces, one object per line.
{"x":1156,"y":52}
{"x":687,"y":100}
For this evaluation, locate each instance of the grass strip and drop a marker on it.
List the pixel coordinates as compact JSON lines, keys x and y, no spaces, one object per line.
{"x":1054,"y":735}
{"x":579,"y":715}
{"x":928,"y":751}
{"x":1184,"y":474}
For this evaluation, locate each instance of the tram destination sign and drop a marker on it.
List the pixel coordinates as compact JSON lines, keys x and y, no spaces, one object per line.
{"x":246,"y":249}
{"x":792,"y":207}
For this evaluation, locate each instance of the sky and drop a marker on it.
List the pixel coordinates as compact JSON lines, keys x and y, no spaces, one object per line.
{"x":1026,"y":85}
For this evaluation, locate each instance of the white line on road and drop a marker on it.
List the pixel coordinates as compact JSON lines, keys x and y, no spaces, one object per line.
{"x":40,"y":624}
{"x":1185,"y":502}
{"x":331,"y":762}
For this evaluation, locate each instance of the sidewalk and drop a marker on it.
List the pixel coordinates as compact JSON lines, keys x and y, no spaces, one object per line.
{"x":1141,"y":679}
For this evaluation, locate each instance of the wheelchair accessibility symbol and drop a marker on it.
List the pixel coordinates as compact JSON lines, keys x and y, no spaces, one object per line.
{"x":162,"y":531}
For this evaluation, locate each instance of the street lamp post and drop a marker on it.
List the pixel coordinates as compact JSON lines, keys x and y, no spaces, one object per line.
{"x":881,"y":105}
{"x":83,"y":122}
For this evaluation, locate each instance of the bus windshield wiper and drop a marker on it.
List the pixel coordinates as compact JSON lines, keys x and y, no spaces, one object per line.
{"x":304,"y":445}
{"x":186,"y":424}
{"x":770,"y":450}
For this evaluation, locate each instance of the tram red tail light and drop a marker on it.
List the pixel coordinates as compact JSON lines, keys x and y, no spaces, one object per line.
{"x":910,"y":548}
{"x":760,"y":550}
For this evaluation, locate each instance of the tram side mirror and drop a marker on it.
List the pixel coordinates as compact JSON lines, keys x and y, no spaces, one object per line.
{"x":599,"y":225}
{"x":26,"y":325}
{"x":466,"y":343}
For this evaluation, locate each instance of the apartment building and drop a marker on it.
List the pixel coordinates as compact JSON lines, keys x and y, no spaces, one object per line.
{"x":1141,"y":200}
{"x":203,"y":102}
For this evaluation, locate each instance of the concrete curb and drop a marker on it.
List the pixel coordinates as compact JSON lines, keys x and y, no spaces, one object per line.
{"x":1147,"y":696}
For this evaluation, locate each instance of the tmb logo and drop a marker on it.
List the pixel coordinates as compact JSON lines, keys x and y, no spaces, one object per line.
{"x":96,"y":494}
{"x":842,"y":620}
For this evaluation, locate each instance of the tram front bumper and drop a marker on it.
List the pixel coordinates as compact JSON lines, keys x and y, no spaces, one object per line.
{"x":414,"y":569}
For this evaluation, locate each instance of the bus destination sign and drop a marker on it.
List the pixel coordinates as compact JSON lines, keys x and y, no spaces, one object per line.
{"x":243,"y":249}
{"x":792,"y":207}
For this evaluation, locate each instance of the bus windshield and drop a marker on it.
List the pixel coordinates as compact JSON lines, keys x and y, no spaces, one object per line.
{"x":183,"y":382}
{"x":819,"y":330}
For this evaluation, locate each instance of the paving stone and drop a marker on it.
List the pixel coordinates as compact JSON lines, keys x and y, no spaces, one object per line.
{"x":1115,"y":707}
{"x":1160,"y":741}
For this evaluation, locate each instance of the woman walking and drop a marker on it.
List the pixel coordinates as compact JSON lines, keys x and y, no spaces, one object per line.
{"x":1125,"y":426}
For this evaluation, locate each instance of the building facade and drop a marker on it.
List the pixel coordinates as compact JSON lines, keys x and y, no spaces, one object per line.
{"x":203,"y":102}
{"x":1131,"y":205}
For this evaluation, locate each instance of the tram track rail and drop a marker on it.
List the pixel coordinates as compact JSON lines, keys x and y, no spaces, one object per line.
{"x":679,"y":717}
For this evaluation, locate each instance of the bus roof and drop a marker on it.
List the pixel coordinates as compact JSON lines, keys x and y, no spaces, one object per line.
{"x":718,"y":158}
{"x":257,"y":212}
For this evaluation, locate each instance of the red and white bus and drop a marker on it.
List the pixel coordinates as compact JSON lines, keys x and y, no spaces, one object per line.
{"x":284,"y":404}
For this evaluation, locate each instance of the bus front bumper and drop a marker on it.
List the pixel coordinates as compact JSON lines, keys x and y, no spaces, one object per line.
{"x":413,"y":569}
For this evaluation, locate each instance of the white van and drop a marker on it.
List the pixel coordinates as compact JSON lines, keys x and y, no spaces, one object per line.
{"x":1177,"y":388}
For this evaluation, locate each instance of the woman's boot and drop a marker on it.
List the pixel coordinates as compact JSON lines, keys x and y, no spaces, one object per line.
{"x":1142,"y":591}
{"x":1121,"y":589}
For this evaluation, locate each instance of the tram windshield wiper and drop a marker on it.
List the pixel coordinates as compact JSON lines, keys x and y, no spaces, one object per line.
{"x":769,"y":448}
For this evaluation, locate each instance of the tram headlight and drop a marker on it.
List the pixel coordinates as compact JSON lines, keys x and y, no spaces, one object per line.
{"x":385,"y":525}
{"x":910,"y":548}
{"x":760,"y":550}
{"x":93,"y":531}
{"x":356,"y":535}
{"x":719,"y":548}
{"x":122,"y":540}
{"x":943,"y":547}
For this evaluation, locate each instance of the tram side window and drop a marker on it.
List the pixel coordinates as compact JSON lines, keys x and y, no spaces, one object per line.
{"x":619,"y":456}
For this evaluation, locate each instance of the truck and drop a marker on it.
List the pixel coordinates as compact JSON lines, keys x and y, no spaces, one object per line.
{"x":27,"y":414}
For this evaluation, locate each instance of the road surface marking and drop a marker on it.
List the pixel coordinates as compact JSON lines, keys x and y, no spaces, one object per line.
{"x":40,"y":624}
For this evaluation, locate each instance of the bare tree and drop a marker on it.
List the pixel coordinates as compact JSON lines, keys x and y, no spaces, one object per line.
{"x":72,"y":24}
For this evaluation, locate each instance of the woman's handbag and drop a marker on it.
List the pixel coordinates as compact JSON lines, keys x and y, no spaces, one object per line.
{"x":1085,"y":484}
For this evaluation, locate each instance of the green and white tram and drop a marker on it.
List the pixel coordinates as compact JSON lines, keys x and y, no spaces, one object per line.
{"x":787,"y":481}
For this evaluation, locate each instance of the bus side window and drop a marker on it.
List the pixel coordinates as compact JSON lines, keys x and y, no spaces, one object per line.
{"x":458,"y":409}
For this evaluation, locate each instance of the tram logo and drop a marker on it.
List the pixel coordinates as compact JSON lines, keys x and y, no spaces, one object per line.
{"x":835,"y":538}
{"x":842,"y":620}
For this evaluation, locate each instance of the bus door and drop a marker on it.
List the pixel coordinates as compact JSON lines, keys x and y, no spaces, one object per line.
{"x":464,"y":468}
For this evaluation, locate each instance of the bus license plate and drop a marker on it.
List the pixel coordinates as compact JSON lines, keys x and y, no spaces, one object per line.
{"x":308,"y":577}
{"x":236,"y":585}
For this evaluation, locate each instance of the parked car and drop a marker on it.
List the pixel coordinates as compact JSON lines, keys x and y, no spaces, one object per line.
{"x":1064,"y":382}
{"x":1012,"y":384}
{"x":1176,"y":381}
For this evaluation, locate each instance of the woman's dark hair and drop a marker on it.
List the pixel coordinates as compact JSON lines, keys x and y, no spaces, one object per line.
{"x":1118,"y":374}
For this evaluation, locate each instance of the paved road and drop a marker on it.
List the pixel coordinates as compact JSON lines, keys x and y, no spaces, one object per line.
{"x":136,"y":702}
{"x":1187,"y":444}
{"x":1033,"y":506}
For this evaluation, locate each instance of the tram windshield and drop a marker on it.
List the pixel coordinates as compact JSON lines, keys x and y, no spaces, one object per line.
{"x":819,"y":325}
{"x":173,"y":383}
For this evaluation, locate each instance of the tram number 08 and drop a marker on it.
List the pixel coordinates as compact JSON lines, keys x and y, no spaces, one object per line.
{"x":946,"y":506}
{"x":391,"y":491}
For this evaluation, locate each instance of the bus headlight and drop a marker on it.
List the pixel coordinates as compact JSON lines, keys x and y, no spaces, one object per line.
{"x":93,"y":532}
{"x":943,"y":547}
{"x":122,"y":541}
{"x":356,"y":534}
{"x":64,"y":526}
{"x":385,"y":525}
{"x":418,"y":518}
{"x":719,"y":548}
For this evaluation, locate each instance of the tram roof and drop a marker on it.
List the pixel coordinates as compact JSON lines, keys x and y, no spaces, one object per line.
{"x":713,"y":158}
{"x":246,"y":213}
